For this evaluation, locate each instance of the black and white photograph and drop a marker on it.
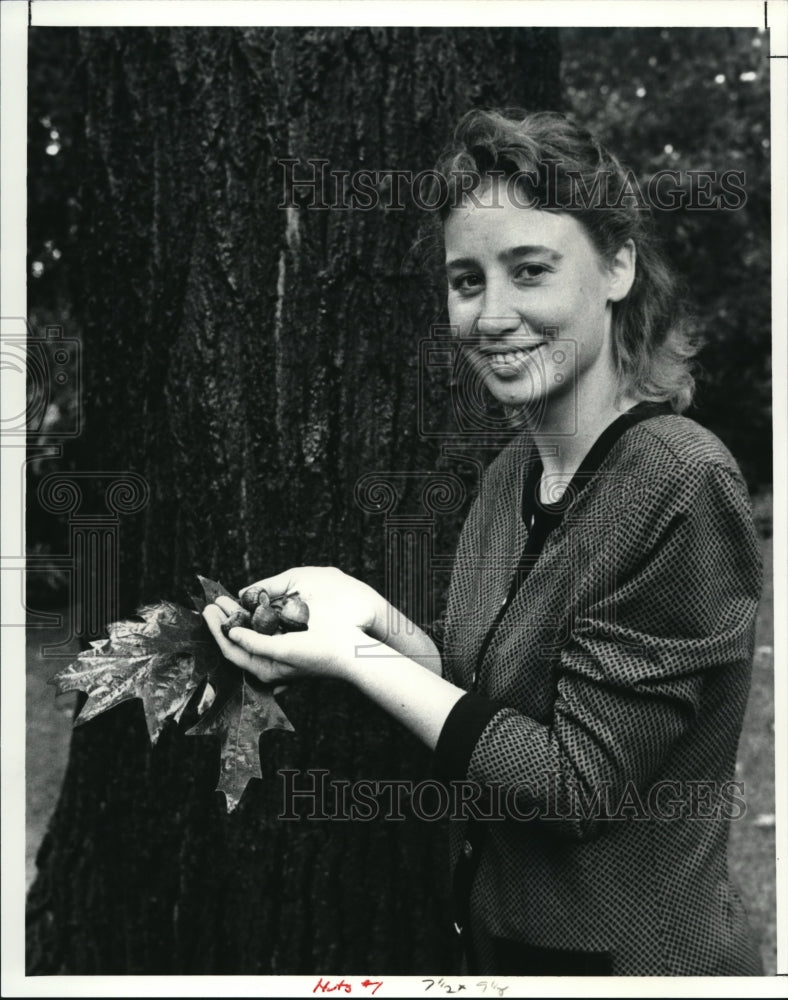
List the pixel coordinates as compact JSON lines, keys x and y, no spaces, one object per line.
{"x":393,"y":446}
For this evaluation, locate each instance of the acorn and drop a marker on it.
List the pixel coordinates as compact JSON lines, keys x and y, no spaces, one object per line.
{"x":254,"y":596}
{"x":294,"y":614}
{"x":265,"y":620}
{"x":238,"y":619}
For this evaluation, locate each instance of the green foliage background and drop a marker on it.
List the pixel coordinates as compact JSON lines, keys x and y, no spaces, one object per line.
{"x":698,"y":99}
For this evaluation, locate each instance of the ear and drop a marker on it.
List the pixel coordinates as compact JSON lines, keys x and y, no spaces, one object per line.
{"x":622,"y":272}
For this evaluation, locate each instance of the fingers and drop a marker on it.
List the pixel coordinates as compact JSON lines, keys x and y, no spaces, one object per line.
{"x":255,"y":643}
{"x":274,"y":586}
{"x":264,"y":668}
{"x":243,"y":639}
{"x":227,"y":604}
{"x":215,"y":618}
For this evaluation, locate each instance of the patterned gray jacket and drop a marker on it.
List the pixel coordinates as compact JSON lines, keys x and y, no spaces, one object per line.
{"x":603,"y":712}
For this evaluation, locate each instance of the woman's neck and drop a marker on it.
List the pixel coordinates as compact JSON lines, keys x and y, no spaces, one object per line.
{"x":567,"y":430}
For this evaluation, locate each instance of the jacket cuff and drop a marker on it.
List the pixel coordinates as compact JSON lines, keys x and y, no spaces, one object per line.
{"x":464,"y":724}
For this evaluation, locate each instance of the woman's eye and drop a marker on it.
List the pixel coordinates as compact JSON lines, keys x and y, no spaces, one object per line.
{"x":531,"y":271}
{"x":467,"y":282}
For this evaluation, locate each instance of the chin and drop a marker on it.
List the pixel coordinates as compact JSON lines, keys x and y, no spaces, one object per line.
{"x":521,"y":394}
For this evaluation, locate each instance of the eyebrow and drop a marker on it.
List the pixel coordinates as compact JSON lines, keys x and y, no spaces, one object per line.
{"x":511,"y":254}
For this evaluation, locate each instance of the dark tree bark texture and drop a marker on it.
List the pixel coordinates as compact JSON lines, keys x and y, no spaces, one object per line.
{"x":252,"y":363}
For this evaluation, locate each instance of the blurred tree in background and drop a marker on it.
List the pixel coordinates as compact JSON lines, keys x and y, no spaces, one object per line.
{"x":672,"y":98}
{"x":111,"y":113}
{"x":698,"y":99}
{"x":251,"y":364}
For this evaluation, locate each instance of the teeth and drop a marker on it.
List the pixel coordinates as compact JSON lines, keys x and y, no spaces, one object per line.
{"x":512,"y":357}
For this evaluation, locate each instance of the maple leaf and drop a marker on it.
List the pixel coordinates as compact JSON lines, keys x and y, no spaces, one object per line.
{"x":163,"y":660}
{"x":211,"y":590}
{"x":242,"y":709}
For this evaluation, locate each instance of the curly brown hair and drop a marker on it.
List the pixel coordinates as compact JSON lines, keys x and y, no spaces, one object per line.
{"x":554,"y":164}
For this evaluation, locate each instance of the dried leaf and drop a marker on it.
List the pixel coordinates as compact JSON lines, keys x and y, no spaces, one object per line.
{"x":242,"y":709}
{"x":163,"y":660}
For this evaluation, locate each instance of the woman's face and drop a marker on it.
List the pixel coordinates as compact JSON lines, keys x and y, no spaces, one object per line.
{"x":532,"y":298}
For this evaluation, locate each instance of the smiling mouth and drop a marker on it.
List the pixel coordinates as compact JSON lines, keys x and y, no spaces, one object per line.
{"x":511,"y":357}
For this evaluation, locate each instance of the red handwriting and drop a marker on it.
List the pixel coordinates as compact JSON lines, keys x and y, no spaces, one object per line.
{"x":326,"y":986}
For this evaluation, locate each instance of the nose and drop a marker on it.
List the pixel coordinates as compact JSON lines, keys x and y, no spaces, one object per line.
{"x":489,"y":325}
{"x":496,"y":315}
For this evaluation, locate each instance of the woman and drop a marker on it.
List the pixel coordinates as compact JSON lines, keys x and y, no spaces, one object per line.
{"x":598,"y":637}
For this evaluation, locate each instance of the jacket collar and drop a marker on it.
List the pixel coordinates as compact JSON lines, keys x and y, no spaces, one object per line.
{"x":543,"y":517}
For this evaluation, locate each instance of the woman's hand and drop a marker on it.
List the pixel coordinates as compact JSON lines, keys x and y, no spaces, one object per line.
{"x":325,"y":649}
{"x":332,"y":596}
{"x":409,"y":693}
{"x":336,"y":600}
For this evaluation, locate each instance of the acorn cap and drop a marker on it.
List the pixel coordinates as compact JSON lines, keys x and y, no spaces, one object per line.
{"x":254,"y":596}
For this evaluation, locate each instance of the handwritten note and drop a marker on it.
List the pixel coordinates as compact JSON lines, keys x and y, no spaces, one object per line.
{"x":370,"y":986}
{"x":447,"y":986}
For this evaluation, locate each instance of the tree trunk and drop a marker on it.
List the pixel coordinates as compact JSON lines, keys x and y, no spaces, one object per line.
{"x":252,"y":363}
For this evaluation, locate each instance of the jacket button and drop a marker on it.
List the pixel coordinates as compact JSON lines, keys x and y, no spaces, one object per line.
{"x":467,"y":850}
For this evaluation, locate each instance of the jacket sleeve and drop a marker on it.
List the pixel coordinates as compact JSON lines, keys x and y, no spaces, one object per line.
{"x":631,"y":676}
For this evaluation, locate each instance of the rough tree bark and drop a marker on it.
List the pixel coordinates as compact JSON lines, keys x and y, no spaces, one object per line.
{"x":252,"y":364}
